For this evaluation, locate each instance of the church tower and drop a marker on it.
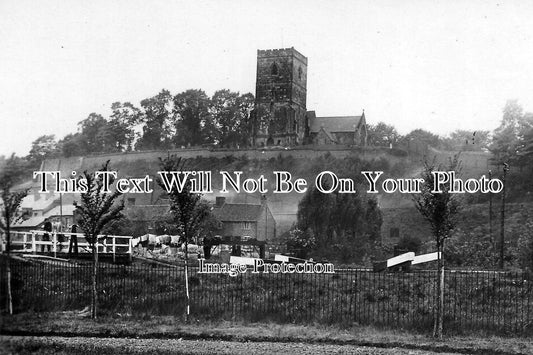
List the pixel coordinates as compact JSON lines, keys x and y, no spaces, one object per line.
{"x":280,"y":97}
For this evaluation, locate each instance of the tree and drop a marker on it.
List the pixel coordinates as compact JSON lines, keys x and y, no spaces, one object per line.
{"x":382,"y":135}
{"x":93,"y":130}
{"x":440,"y":209}
{"x":124,"y":118}
{"x":194,"y":124}
{"x":98,"y":208}
{"x":9,"y":212}
{"x":511,"y":140}
{"x":301,"y":243}
{"x":188,"y":210}
{"x":231,"y":117}
{"x":158,"y":121}
{"x":42,"y":148}
{"x":345,"y":224}
{"x":464,"y":140}
{"x":424,"y":137}
{"x":73,"y":144}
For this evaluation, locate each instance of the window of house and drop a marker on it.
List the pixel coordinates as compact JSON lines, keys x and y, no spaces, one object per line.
{"x":131,"y":201}
{"x":246,"y":225}
{"x":300,"y":73}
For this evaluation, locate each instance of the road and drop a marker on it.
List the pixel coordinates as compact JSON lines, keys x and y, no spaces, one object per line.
{"x":82,"y":345}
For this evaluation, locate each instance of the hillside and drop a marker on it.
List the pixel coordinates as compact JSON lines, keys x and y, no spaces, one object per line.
{"x":306,"y":163}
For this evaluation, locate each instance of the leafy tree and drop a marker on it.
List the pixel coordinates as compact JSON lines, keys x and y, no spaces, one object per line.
{"x":423,"y":136}
{"x":119,"y":131}
{"x":382,"y":135}
{"x":158,"y":122}
{"x":188,"y":209}
{"x":73,"y":144}
{"x":98,"y":208}
{"x":464,"y":140}
{"x":512,"y":139}
{"x":9,"y":209}
{"x":346,"y":222}
{"x":43,"y":148}
{"x":194,"y":123}
{"x":471,"y":248}
{"x":93,"y":130}
{"x":440,"y":209}
{"x":300,"y":243}
{"x":231,"y":117}
{"x":314,"y":215}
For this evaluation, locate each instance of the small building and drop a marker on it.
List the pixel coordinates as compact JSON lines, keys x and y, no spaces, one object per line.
{"x":244,"y":223}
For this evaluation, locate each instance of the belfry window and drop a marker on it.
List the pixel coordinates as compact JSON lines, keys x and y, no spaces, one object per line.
{"x":274,"y":69}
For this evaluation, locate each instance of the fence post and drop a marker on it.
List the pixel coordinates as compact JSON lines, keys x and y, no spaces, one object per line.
{"x":33,"y":245}
{"x":54,"y":243}
{"x":130,"y":250}
{"x":113,"y":248}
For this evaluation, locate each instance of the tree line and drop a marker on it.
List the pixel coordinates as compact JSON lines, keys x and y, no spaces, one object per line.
{"x":190,"y":118}
{"x":226,"y":119}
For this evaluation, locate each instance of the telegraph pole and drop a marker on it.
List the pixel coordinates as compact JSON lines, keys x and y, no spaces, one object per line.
{"x":502,"y":229}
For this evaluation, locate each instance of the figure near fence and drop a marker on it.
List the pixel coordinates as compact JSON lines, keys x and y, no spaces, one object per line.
{"x":46,"y":236}
{"x":73,"y":244}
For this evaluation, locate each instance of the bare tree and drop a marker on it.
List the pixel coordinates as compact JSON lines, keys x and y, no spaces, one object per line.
{"x":97,"y":209}
{"x":440,"y":209}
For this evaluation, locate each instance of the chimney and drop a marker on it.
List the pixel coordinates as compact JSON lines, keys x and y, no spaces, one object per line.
{"x":220,"y":201}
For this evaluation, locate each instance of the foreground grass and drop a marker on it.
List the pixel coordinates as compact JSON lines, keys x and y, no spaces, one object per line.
{"x":76,"y":324}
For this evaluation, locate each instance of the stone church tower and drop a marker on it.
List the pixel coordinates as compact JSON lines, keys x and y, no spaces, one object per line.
{"x":280,"y":98}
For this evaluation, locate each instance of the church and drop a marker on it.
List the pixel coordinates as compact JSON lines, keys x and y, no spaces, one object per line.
{"x":280,"y":115}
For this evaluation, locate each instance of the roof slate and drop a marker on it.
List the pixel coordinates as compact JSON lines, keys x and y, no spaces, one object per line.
{"x":335,"y":124}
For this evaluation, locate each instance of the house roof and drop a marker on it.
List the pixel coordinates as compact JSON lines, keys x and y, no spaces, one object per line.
{"x":31,"y":222}
{"x":237,"y":212}
{"x":335,"y":123}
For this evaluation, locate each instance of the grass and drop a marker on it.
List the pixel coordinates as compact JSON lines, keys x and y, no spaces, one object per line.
{"x":73,"y":324}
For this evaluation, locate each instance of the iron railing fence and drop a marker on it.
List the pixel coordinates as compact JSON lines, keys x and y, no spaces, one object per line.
{"x":494,"y":301}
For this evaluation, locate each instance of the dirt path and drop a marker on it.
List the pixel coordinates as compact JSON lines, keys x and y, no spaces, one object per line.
{"x":80,"y":345}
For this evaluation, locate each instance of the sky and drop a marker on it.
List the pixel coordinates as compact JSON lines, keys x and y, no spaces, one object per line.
{"x":435,"y":65}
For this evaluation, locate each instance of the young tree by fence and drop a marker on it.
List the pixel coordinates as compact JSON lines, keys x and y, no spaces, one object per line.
{"x":97,"y":209}
{"x":440,"y":209}
{"x":9,"y":207}
{"x":188,"y":209}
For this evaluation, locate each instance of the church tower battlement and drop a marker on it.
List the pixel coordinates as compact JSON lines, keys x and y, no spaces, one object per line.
{"x":281,"y":92}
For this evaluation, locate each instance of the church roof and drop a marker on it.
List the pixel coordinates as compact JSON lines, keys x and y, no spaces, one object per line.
{"x":335,"y":123}
{"x":237,"y":212}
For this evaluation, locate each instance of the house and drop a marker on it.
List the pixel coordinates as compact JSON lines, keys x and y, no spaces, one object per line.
{"x":244,"y":223}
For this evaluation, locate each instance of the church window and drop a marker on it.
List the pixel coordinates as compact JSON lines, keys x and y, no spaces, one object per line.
{"x":300,"y":73}
{"x":274,"y":69}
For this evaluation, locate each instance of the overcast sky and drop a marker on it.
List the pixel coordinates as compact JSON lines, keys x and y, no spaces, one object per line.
{"x":436,"y":65}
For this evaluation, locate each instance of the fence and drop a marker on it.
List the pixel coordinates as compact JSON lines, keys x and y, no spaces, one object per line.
{"x":491,"y":301}
{"x":39,"y":241}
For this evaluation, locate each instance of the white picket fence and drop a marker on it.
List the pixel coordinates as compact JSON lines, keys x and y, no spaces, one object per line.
{"x":32,"y":242}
